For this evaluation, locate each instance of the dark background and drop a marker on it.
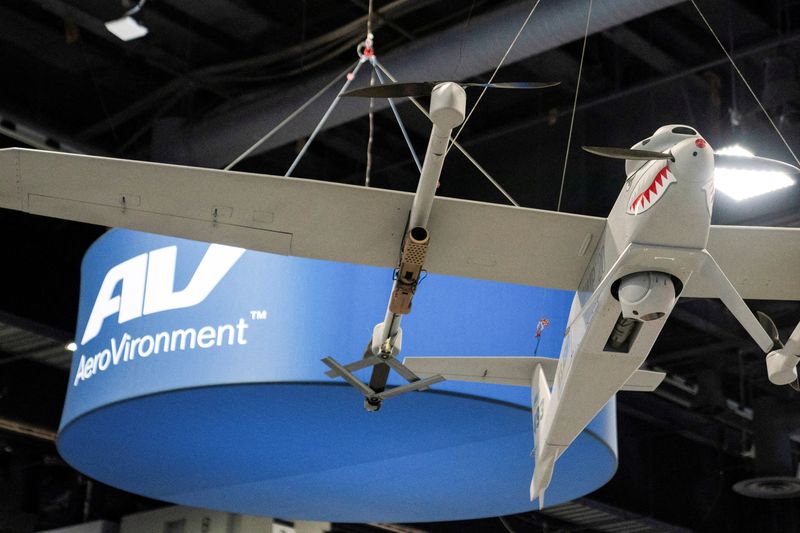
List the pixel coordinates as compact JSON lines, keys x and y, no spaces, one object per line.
{"x":207,"y":81}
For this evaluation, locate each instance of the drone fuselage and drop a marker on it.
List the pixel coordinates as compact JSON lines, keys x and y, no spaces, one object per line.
{"x":654,"y":241}
{"x":666,"y":202}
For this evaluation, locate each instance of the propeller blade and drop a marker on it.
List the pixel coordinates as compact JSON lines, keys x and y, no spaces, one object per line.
{"x":394,"y":90}
{"x":793,"y":342}
{"x":793,"y":346}
{"x":514,"y":85}
{"x":743,"y":162}
{"x":424,"y":88}
{"x":771,"y":329}
{"x":626,"y":153}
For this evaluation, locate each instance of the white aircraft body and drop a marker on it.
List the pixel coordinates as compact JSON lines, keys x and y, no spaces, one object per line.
{"x":627,"y":270}
{"x":653,"y":245}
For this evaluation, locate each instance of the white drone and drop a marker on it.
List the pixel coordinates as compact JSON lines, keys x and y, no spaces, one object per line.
{"x":628,"y":270}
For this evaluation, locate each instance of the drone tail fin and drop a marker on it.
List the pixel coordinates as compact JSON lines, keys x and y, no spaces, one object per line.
{"x":544,"y":454}
{"x":540,"y":399}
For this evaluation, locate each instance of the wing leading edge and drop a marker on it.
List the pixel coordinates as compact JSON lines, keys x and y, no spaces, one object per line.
{"x":299,"y":217}
{"x":760,"y":262}
{"x":322,"y":220}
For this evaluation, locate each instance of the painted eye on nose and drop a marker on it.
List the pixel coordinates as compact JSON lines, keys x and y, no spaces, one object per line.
{"x":700,"y":143}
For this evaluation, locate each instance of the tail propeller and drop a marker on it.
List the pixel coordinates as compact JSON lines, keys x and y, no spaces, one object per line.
{"x":424,"y":88}
{"x":771,"y":329}
{"x":782,"y":360}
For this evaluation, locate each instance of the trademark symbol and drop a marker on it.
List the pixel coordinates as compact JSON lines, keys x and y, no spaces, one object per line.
{"x":258,"y":315}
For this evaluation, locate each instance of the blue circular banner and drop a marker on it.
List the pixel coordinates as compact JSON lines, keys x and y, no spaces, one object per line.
{"x":198,"y":381}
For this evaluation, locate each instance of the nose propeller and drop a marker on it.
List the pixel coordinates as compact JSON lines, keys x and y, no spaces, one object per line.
{"x":627,"y":153}
{"x":424,"y":88}
{"x":745,"y":162}
{"x":739,"y":162}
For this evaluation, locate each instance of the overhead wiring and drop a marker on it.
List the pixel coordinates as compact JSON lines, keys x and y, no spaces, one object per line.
{"x":347,"y":32}
{"x":329,"y":45}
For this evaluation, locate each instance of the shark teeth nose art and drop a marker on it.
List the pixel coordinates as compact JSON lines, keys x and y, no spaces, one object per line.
{"x":647,"y":198}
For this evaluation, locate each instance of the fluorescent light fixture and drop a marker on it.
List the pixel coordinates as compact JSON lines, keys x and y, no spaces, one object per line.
{"x":71,"y":346}
{"x":741,"y":184}
{"x":127,"y":28}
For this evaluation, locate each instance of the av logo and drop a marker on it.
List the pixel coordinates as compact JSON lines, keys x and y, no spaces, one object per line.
{"x":148,"y":285}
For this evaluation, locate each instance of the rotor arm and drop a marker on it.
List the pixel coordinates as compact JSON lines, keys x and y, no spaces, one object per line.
{"x":733,"y":301}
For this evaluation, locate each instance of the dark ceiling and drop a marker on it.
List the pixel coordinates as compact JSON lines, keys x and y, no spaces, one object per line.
{"x":213,"y":76}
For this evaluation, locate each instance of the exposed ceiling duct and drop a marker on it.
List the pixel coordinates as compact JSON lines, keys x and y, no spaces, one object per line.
{"x":456,"y":53}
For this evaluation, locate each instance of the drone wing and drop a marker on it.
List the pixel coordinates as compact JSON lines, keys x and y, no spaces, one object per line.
{"x":760,"y":263}
{"x":503,"y":370}
{"x":299,"y":217}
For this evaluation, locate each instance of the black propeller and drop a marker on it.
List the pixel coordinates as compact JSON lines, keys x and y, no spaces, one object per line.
{"x":424,"y":88}
{"x":746,"y":162}
{"x":772,"y":330}
{"x":740,"y":162}
{"x":627,"y":153}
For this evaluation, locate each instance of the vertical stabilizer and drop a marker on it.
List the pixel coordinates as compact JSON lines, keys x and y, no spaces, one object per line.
{"x":544,"y":455}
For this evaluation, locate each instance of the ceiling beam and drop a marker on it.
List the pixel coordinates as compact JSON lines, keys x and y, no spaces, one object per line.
{"x":650,"y":85}
{"x":215,"y":141}
{"x":643,"y":49}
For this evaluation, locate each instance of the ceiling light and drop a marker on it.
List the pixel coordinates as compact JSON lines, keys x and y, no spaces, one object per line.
{"x":128,"y":28}
{"x":741,"y":184}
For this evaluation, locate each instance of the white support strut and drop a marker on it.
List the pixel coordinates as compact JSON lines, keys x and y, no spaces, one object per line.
{"x":733,"y":301}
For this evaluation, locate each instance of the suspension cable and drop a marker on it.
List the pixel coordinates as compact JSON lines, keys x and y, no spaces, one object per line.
{"x":746,"y":84}
{"x":377,"y":70}
{"x":453,"y":142}
{"x":369,"y":52}
{"x":350,"y":77}
{"x":289,"y":118}
{"x":574,"y":106}
{"x":491,"y":78}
